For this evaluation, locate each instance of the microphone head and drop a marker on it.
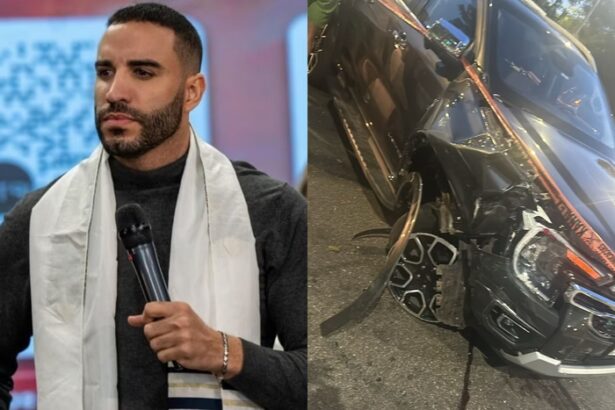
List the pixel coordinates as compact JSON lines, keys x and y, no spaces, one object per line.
{"x":133,"y":227}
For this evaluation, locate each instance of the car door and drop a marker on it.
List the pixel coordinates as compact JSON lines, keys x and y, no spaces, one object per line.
{"x":366,"y":42}
{"x":393,"y":74}
{"x":412,"y":67}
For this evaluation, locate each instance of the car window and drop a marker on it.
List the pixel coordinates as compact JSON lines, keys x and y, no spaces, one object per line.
{"x":540,"y":64}
{"x":460,"y":13}
{"x":415,"y":5}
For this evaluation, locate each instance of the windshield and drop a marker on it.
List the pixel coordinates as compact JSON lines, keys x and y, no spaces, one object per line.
{"x":538,"y":67}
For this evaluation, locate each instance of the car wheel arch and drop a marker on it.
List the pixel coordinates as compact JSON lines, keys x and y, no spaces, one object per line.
{"x":429,"y":154}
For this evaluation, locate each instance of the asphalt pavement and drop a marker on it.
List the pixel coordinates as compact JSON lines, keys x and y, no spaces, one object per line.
{"x":392,"y":360}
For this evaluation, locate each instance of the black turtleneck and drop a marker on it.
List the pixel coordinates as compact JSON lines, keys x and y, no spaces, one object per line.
{"x":142,"y":381}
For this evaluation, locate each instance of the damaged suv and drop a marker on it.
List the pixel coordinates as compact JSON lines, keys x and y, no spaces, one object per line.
{"x":485,"y":126}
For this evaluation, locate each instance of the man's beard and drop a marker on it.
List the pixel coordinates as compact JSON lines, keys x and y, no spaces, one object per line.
{"x":156,"y":127}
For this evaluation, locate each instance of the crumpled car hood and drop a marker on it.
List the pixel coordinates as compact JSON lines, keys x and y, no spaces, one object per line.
{"x":586,"y":177}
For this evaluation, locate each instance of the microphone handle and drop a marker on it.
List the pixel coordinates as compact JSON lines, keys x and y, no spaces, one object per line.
{"x":147,"y":268}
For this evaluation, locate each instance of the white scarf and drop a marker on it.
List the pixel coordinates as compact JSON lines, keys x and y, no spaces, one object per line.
{"x":73,"y":271}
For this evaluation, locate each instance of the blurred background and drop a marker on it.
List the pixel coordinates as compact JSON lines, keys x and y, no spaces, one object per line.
{"x":255,"y":107}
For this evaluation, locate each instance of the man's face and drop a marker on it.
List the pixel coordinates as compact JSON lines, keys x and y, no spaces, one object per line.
{"x":139,"y":93}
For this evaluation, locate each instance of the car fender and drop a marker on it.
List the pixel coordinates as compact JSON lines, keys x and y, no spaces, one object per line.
{"x":466,"y":172}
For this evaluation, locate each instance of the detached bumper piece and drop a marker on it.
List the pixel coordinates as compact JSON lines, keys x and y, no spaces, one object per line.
{"x":362,"y":306}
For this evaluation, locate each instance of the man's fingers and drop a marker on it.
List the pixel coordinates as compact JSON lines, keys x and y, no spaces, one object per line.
{"x":136,"y":321}
{"x":176,"y":333}
{"x":140,"y":320}
{"x":175,"y":354}
{"x":159,"y":310}
{"x":158,"y":328}
{"x":164,"y":341}
{"x":154,"y":311}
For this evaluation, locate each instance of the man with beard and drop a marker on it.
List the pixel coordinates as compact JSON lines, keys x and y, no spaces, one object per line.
{"x":232,"y":240}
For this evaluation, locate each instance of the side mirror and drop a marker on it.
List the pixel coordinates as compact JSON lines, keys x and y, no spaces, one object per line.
{"x":444,"y":36}
{"x":449,"y":43}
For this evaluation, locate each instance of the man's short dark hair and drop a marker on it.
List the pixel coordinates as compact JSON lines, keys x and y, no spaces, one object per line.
{"x":187,"y":42}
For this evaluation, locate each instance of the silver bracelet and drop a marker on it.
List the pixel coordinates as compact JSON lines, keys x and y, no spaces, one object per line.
{"x":225,"y":356}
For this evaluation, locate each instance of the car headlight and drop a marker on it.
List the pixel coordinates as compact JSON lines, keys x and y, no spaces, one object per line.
{"x":538,"y":261}
{"x":543,"y":256}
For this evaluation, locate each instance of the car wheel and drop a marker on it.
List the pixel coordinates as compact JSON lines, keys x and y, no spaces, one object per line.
{"x":415,"y":283}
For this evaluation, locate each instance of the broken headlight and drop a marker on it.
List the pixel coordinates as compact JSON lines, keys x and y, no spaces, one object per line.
{"x":537,"y":262}
{"x":543,"y":256}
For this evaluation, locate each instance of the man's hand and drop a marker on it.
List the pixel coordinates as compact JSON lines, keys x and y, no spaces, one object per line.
{"x":176,"y":333}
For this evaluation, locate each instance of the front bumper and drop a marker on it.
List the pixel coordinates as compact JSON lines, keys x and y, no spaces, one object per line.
{"x":567,"y":339}
{"x":548,"y":366}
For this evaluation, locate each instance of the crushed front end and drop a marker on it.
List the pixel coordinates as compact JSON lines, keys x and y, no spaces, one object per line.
{"x":493,"y":251}
{"x":541,"y":304}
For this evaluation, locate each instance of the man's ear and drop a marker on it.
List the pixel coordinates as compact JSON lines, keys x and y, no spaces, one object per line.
{"x":194,"y":89}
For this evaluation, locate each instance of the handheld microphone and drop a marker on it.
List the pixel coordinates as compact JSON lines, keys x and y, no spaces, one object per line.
{"x":135,"y":233}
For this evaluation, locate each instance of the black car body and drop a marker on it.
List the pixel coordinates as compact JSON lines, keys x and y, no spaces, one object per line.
{"x":502,"y":114}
